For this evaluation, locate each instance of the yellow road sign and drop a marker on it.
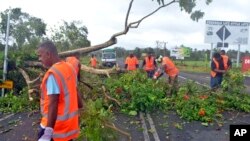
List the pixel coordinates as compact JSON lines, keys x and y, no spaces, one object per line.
{"x":8,"y":84}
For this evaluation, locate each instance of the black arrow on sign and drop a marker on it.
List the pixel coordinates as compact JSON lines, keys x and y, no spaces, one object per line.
{"x":223,"y":33}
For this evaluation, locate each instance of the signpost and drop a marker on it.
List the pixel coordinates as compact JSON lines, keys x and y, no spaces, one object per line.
{"x":224,"y":33}
{"x":6,"y":51}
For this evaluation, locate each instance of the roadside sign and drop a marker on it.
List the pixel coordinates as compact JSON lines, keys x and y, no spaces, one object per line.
{"x":227,"y":32}
{"x":245,"y":64}
{"x":8,"y":84}
{"x":180,"y":52}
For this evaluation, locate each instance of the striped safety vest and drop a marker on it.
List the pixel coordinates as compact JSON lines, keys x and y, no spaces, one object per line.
{"x":149,"y":64}
{"x":66,"y":126}
{"x":171,"y":69}
{"x":225,"y":61}
{"x":213,"y":73}
{"x":74,"y":62}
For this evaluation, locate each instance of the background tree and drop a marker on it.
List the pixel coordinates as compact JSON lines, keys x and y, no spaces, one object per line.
{"x":120,"y":52}
{"x":137,"y":52}
{"x":70,"y":36}
{"x":23,"y":27}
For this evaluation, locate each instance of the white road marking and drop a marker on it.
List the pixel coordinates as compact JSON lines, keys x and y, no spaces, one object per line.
{"x":10,"y":115}
{"x":152,"y":126}
{"x":145,"y":130}
{"x":194,"y":81}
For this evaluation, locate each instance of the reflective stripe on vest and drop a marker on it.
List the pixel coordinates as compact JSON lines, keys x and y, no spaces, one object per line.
{"x":66,"y":134}
{"x":67,"y":126}
{"x":75,"y":73}
{"x":213,"y":73}
{"x":66,"y":114}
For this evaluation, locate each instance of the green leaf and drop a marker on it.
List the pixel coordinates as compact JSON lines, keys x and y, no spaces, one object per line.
{"x":132,"y":113}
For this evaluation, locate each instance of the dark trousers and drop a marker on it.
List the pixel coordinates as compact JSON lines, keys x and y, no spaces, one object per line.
{"x":41,"y":132}
{"x":150,"y":73}
{"x":216,"y":81}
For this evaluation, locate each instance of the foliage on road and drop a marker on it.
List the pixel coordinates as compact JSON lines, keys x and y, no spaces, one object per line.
{"x":12,"y":103}
{"x":138,"y":93}
{"x":233,"y":82}
{"x":94,"y":119}
{"x":194,"y":102}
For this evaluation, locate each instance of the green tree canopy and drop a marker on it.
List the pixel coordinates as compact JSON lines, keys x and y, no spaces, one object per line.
{"x":23,"y":27}
{"x":188,"y":6}
{"x":71,"y":35}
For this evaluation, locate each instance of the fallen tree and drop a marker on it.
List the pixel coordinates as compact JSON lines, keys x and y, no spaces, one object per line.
{"x":186,"y":5}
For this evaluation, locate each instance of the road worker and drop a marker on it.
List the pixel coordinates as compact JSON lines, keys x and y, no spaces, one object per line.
{"x":93,"y":61}
{"x":167,"y":66}
{"x":59,"y":101}
{"x":75,"y":62}
{"x":149,"y":65}
{"x":217,"y":70}
{"x":226,"y":60}
{"x":131,"y":62}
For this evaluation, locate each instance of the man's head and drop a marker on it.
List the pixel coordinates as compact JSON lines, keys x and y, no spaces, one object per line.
{"x":222,"y":52}
{"x":217,"y":56}
{"x":47,"y":53}
{"x":150,"y":54}
{"x":131,"y":54}
{"x":159,"y":59}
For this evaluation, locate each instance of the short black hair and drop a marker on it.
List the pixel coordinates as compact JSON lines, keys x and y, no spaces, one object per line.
{"x":223,"y":51}
{"x":216,"y":55}
{"x":49,"y":46}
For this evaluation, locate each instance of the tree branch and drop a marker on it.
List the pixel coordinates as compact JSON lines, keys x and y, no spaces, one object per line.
{"x":109,"y":97}
{"x":108,"y":43}
{"x":31,"y":89}
{"x":128,"y":12}
{"x":137,"y":23}
{"x":119,"y":130}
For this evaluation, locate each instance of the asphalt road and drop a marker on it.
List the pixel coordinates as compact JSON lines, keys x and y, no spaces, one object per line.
{"x":204,"y":78}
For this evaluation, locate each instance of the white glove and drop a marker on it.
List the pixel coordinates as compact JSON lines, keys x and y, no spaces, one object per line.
{"x":154,"y":77}
{"x":47,"y":136}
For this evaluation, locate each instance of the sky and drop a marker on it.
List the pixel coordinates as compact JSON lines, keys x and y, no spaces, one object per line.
{"x":103,"y":18}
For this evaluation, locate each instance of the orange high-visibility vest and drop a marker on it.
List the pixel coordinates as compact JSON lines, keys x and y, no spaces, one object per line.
{"x":93,"y":62}
{"x":171,"y":69}
{"x":149,"y":64}
{"x":74,"y":62}
{"x":225,"y":61}
{"x":67,"y":125}
{"x":213,"y":73}
{"x":131,"y":62}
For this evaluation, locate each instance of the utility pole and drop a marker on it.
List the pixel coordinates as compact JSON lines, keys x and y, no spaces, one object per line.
{"x":6,"y":50}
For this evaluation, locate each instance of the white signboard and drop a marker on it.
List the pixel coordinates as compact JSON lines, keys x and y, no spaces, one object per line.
{"x":227,"y":32}
{"x":177,"y":52}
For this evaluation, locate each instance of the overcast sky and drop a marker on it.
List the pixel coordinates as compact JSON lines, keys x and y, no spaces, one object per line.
{"x":103,"y":18}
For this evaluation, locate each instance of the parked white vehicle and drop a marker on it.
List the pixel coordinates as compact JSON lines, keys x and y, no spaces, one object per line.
{"x":108,"y":57}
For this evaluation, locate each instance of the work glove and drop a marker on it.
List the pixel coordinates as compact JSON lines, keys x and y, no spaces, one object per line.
{"x":47,"y":136}
{"x":154,"y":77}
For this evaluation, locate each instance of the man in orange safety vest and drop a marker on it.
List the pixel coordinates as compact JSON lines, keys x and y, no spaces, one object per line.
{"x":131,"y":62}
{"x":59,"y":99}
{"x":149,"y":64}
